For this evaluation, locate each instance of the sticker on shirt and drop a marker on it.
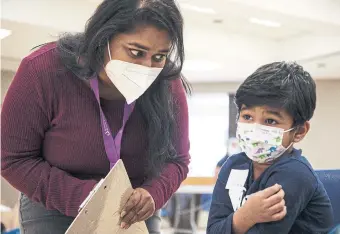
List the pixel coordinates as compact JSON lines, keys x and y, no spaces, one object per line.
{"x":235,"y":185}
{"x":237,"y":178}
{"x":236,"y":195}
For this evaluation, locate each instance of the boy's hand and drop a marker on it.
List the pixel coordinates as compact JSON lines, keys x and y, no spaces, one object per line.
{"x":266,"y":206}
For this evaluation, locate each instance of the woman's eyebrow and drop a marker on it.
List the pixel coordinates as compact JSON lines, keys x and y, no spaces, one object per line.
{"x":143,"y":47}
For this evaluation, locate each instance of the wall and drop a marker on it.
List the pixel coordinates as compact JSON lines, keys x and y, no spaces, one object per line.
{"x":6,"y":78}
{"x":319,"y":146}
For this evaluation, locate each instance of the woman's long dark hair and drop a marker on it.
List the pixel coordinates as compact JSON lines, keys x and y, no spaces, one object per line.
{"x":157,"y":105}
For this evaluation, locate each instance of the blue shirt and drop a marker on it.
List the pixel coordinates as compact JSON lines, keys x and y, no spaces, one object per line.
{"x":308,"y":206}
{"x":222,"y":161}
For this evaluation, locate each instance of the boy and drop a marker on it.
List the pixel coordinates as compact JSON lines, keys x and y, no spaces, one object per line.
{"x":270,"y":188}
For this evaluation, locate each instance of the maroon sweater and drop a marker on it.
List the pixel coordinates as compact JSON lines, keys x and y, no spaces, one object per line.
{"x":51,"y":142}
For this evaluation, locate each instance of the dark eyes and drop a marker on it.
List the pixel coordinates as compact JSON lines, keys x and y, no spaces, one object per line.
{"x":271,"y":121}
{"x":140,"y":54}
{"x":246,"y":117}
{"x":158,"y":58}
{"x":137,"y":53}
{"x":267,"y":121}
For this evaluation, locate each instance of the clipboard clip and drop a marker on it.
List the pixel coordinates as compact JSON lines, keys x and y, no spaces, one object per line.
{"x":88,"y":198}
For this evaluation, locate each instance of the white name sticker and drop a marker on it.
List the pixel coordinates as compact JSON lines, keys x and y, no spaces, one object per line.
{"x":237,"y":178}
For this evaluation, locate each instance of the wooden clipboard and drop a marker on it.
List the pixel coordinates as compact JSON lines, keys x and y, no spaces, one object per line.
{"x":101,"y":213}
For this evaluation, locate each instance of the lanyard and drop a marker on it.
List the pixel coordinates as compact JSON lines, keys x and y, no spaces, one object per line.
{"x":112,"y":144}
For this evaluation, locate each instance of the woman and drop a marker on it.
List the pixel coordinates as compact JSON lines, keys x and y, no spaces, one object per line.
{"x":68,"y":97}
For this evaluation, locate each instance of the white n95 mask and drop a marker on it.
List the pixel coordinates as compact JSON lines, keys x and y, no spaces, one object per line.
{"x":132,"y":80}
{"x":261,"y":143}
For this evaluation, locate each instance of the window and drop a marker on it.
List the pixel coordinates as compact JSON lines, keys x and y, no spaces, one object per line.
{"x":208,"y":131}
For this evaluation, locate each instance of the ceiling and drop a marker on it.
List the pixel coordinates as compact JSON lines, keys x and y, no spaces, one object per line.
{"x":225,"y":40}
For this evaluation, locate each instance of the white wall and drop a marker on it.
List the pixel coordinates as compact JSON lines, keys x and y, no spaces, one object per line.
{"x":320,"y":145}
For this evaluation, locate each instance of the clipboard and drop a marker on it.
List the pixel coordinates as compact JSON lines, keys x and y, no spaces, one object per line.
{"x":100,"y":212}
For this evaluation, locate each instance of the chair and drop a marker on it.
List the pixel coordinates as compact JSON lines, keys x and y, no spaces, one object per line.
{"x":331,"y":181}
{"x":14,"y":231}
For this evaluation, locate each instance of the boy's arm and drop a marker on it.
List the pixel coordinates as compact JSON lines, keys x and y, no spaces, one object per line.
{"x":299,"y":185}
{"x":222,"y":218}
{"x":221,"y":211}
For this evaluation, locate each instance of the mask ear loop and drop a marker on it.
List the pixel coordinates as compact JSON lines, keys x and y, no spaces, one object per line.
{"x":288,"y":130}
{"x":108,"y":48}
{"x":296,"y":127}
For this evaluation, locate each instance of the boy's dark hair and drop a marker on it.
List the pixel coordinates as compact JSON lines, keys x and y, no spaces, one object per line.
{"x":280,"y":85}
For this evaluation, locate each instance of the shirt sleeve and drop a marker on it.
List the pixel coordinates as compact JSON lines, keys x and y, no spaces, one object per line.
{"x":299,"y":184}
{"x":25,"y":118}
{"x":161,"y":188}
{"x":221,"y":210}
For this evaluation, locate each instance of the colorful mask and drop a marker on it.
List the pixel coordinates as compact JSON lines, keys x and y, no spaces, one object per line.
{"x":261,"y":143}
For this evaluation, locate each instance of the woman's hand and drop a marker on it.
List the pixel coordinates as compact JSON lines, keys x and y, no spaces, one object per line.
{"x":267,"y":205}
{"x":139,"y":207}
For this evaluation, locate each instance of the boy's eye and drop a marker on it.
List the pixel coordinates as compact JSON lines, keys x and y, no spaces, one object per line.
{"x":159,"y":58}
{"x":137,"y":53}
{"x":246,"y":117}
{"x":271,"y":121}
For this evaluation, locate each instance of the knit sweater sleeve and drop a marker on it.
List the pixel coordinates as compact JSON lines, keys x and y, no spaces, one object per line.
{"x":166,"y":184}
{"x":26,"y":117}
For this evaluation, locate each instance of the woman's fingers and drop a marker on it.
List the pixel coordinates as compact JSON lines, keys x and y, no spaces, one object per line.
{"x":139,"y":207}
{"x":126,"y":220}
{"x":129,"y":213}
{"x":131,"y":203}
